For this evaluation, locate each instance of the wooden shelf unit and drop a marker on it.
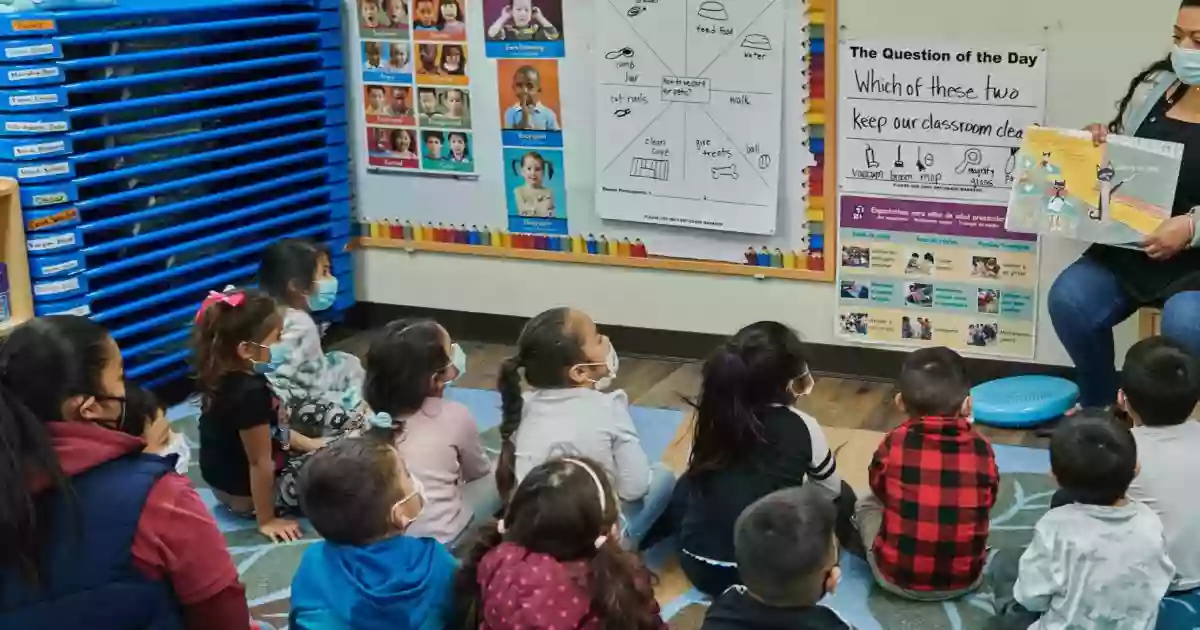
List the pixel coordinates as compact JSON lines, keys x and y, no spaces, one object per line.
{"x":13,"y":255}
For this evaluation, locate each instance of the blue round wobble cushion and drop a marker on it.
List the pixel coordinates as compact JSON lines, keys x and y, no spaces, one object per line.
{"x":1022,"y":401}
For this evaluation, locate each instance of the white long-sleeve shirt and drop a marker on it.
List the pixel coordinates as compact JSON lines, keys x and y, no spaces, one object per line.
{"x":1092,"y":566}
{"x":583,"y":421}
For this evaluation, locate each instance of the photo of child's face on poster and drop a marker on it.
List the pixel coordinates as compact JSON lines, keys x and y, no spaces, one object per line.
{"x":383,"y":18}
{"x":444,"y":107}
{"x":525,"y":21}
{"x":440,"y":20}
{"x":442,"y":64}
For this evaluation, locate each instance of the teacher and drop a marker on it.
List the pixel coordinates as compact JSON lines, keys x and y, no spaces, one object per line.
{"x":1108,"y":284}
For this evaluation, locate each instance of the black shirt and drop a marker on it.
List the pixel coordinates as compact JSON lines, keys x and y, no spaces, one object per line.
{"x":735,"y":609}
{"x":241,"y":401}
{"x":716,"y":499}
{"x":1146,"y":280}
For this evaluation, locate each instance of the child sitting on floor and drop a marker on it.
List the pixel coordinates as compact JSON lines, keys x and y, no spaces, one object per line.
{"x":554,"y":561}
{"x":322,"y":391}
{"x":934,"y":481}
{"x":569,"y":365}
{"x":1160,"y":386}
{"x":368,"y":574}
{"x":248,"y":454}
{"x":788,"y":560}
{"x":409,"y":365}
{"x":750,"y":440}
{"x":1099,"y":562}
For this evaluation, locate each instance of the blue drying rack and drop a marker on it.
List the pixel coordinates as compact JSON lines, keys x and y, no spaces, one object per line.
{"x":161,"y":146}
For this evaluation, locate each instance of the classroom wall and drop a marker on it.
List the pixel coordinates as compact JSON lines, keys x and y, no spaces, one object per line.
{"x":1093,"y":54}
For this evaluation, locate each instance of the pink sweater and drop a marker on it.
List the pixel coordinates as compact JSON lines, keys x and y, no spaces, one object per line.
{"x":441,"y":446}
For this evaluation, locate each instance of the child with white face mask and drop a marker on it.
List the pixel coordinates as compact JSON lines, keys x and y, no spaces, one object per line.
{"x":569,"y":365}
{"x":409,"y":366}
{"x":368,"y":572}
{"x":145,"y":416}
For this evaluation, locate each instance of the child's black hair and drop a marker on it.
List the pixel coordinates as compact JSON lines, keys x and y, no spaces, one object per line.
{"x":742,"y":379}
{"x":430,"y":133}
{"x":546,"y":351}
{"x":43,"y":363}
{"x":141,"y":408}
{"x":1117,"y":124}
{"x":1094,"y":458}
{"x":531,"y":72}
{"x":782,"y":543}
{"x":1161,"y":381}
{"x":289,"y":268}
{"x":466,"y":145}
{"x":556,"y":511}
{"x":401,"y":363}
{"x":933,"y":382}
{"x":347,"y":489}
{"x":223,"y":326}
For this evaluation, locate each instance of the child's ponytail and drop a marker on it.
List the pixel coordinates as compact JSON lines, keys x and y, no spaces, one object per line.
{"x":511,"y":406}
{"x":725,"y":420}
{"x":749,"y":374}
{"x":402,"y":361}
{"x":546,"y":350}
{"x":468,"y":596}
{"x":622,"y":590}
{"x":225,"y":321}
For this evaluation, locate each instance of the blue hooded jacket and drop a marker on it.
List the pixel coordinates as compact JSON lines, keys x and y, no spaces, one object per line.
{"x":400,"y":583}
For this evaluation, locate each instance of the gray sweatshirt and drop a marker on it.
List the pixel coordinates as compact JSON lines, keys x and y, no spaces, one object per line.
{"x":583,"y":421}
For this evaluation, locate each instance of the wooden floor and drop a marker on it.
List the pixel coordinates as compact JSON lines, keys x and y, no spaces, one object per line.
{"x":656,"y":382}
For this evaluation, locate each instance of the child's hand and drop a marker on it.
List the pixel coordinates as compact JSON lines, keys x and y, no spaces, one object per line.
{"x":539,"y":18}
{"x":505,"y":14}
{"x":281,"y":530}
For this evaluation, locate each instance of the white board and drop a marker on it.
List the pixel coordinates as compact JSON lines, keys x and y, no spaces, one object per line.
{"x":935,"y":120}
{"x":689,"y":106}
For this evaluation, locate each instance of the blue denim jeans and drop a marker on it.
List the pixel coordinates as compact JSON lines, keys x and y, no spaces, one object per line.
{"x":638,"y":516}
{"x":1086,"y":302}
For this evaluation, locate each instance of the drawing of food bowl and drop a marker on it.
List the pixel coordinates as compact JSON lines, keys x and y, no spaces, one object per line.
{"x":729,"y":170}
{"x":713,"y":10}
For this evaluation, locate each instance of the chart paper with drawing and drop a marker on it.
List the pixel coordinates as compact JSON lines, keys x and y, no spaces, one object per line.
{"x":689,"y":112}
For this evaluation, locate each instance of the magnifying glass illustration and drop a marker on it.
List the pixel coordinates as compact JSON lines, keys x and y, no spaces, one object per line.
{"x":972,"y":157}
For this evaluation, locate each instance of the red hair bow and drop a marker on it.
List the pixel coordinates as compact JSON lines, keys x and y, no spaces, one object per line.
{"x":232,"y":299}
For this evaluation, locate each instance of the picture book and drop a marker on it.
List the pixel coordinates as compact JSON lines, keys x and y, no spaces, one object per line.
{"x":1116,"y":193}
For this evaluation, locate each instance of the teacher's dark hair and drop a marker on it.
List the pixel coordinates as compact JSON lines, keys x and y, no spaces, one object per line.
{"x":1117,"y":125}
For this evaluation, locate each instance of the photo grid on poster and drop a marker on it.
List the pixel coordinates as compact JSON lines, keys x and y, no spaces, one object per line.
{"x":526,"y":38}
{"x":416,"y":90}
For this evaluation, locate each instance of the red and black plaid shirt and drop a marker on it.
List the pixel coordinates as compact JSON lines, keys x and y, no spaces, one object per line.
{"x":937,"y":480}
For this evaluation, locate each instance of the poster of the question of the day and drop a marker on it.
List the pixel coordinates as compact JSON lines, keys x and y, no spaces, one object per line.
{"x":927,"y":138}
{"x":416,"y":89}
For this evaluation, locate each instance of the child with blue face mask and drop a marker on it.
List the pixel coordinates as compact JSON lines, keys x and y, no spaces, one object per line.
{"x":249,"y":455}
{"x":409,"y":365}
{"x":322,"y":391}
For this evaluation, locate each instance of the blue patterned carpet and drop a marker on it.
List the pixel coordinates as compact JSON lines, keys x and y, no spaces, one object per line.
{"x":1026,"y":488}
